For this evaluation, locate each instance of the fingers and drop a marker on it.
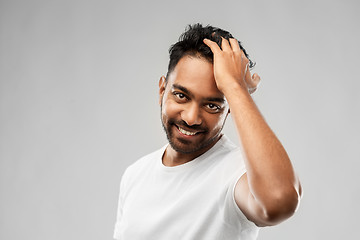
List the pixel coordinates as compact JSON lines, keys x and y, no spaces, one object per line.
{"x":248,"y":78}
{"x":234,"y":45}
{"x":238,"y":53}
{"x":233,"y":60}
{"x":212,"y":45}
{"x":225,"y":45}
{"x":244,"y":58}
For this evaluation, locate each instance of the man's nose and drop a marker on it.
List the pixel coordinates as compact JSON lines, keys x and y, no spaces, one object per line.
{"x":192,"y":115}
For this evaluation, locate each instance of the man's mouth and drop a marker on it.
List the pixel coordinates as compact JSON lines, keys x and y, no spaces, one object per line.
{"x":185,"y":132}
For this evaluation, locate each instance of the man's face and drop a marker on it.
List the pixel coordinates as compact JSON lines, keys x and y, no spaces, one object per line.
{"x":193,"y":110}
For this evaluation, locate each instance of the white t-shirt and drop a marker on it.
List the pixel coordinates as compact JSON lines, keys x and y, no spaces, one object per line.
{"x":192,"y":201}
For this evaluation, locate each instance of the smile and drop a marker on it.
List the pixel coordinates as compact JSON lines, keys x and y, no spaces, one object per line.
{"x":187,"y":133}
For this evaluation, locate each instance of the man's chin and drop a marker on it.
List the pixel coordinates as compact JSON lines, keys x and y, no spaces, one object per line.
{"x":184,"y":147}
{"x":187,"y":147}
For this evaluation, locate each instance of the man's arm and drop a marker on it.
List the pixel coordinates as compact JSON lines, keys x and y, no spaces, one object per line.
{"x":269,"y":192}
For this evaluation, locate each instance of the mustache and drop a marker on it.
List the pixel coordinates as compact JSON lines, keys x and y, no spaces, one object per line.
{"x":183,"y":124}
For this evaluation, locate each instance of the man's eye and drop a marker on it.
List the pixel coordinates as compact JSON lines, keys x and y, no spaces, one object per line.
{"x":179,"y":95}
{"x":212,"y":106}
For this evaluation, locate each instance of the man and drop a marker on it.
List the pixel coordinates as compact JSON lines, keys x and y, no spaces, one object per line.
{"x":200,"y":185}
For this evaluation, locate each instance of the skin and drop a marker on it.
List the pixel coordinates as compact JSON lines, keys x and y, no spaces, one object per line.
{"x":269,"y":192}
{"x":190,"y":100}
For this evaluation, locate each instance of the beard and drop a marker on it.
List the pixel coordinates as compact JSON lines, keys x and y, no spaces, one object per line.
{"x":185,"y":146}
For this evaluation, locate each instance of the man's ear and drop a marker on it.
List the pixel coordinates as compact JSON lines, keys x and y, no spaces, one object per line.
{"x":162,"y":84}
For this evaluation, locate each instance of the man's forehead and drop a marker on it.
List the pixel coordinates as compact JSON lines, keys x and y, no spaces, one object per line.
{"x":192,"y":69}
{"x":196,"y":76}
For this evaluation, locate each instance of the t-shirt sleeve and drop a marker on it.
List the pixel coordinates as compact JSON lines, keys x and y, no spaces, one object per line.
{"x":120,"y":206}
{"x":234,"y":216}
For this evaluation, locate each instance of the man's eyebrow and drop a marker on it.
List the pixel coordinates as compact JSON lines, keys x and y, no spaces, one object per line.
{"x":215,"y":99}
{"x":209,"y":99}
{"x":184,"y":89}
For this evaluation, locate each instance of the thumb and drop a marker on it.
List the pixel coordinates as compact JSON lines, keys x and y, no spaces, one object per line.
{"x":255,"y":81}
{"x":251,"y":81}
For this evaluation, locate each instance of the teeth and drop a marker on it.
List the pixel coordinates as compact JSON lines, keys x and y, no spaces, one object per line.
{"x":183,"y":131}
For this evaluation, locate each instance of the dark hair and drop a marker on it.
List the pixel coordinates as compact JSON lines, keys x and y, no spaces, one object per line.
{"x":191,"y":44}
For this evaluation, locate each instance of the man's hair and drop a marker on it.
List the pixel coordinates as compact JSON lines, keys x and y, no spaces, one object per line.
{"x":191,"y":44}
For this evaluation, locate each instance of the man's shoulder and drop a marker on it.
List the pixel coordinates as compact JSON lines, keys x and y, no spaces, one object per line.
{"x":225,"y":147}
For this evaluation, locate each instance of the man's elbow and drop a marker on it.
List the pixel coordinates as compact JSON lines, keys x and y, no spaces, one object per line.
{"x":281,"y":206}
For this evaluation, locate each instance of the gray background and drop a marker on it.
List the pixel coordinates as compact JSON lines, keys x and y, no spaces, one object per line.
{"x":79,"y":103}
